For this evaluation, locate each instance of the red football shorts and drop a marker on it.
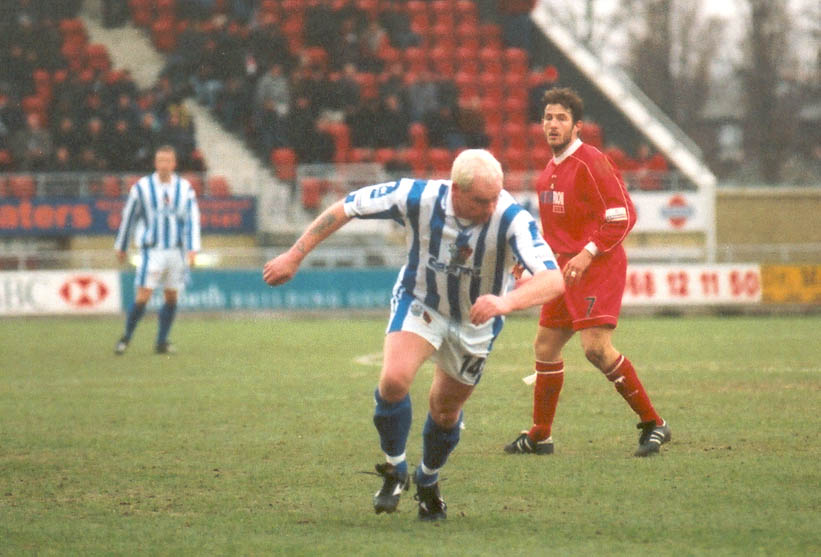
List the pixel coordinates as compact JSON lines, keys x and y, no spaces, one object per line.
{"x":593,"y":301}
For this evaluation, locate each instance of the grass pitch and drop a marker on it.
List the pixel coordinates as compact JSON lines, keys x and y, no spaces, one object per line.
{"x":252,"y":440}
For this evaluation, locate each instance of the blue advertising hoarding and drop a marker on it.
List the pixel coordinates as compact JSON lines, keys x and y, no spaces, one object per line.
{"x":65,"y":216}
{"x":311,"y":289}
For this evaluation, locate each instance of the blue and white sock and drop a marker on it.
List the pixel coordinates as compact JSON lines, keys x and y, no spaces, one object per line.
{"x":393,"y":422}
{"x":437,"y":444}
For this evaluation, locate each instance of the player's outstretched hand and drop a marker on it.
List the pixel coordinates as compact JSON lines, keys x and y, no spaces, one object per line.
{"x":486,"y":307}
{"x":280,"y":269}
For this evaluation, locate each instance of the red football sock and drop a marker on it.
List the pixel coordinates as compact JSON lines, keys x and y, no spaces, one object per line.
{"x":623,"y":375}
{"x":549,"y":381}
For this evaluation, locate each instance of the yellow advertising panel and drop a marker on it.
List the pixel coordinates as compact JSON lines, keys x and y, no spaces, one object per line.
{"x":791,"y":283}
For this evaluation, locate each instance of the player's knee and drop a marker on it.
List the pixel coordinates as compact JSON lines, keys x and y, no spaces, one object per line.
{"x":596,"y":354}
{"x":392,"y":387}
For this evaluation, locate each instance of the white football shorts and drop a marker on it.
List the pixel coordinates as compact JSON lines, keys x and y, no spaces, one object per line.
{"x":161,"y":268}
{"x":461,"y":348}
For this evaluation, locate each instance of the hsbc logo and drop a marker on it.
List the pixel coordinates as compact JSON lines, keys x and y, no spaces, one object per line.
{"x":83,"y":291}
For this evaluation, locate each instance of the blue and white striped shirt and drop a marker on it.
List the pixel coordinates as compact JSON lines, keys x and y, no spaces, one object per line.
{"x":160,"y":215}
{"x":449,"y":264}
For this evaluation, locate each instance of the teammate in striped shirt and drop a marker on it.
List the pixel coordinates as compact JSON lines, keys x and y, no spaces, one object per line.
{"x":463,"y":237}
{"x":586,"y":213}
{"x":162,"y":216}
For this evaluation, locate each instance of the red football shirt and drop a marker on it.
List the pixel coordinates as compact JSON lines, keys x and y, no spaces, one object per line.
{"x":582,"y":199}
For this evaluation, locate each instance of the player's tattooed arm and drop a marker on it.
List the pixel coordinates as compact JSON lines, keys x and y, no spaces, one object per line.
{"x":331,"y":220}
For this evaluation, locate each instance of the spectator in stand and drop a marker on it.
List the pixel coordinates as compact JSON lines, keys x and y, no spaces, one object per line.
{"x":32,"y":146}
{"x":516,"y":23}
{"x":322,"y":147}
{"x":321,"y":26}
{"x":301,"y":125}
{"x":267,"y":46}
{"x":392,"y":82}
{"x":347,"y":48}
{"x":181,"y":137}
{"x":347,"y":89}
{"x":372,"y":42}
{"x":63,"y":160}
{"x":15,"y":71}
{"x":273,"y":87}
{"x":396,"y":23}
{"x":651,"y":170}
{"x":90,"y":159}
{"x":443,"y":130}
{"x":471,"y":123}
{"x":391,"y":124}
{"x":423,"y":96}
{"x":363,"y":122}
{"x":270,"y":129}
{"x":97,"y":140}
{"x":147,"y":141}
{"x":12,"y":119}
{"x":234,"y":103}
{"x":65,"y":133}
{"x":122,"y":147}
{"x":126,"y":109}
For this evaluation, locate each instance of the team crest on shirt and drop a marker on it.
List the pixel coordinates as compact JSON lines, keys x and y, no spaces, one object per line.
{"x":459,"y":254}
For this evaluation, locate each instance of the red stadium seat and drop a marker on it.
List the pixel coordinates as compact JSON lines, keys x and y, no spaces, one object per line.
{"x":515,"y":135}
{"x":111,"y":186}
{"x":535,"y":133}
{"x":195,"y":179}
{"x":467,"y":12}
{"x":492,"y":59}
{"x":22,"y":186}
{"x":515,"y":160}
{"x":384,"y":155}
{"x":415,"y":60}
{"x":361,"y":154}
{"x":284,"y":160}
{"x":442,"y":61}
{"x":416,"y":7}
{"x":491,"y":35}
{"x":164,"y":34}
{"x":418,"y":135}
{"x":467,"y":60}
{"x":516,"y":60}
{"x":540,"y":155}
{"x":418,"y":161}
{"x":312,"y":192}
{"x":98,"y":57}
{"x":218,"y":186}
{"x":166,"y":8}
{"x":492,"y":85}
{"x":440,"y":162}
{"x":342,"y":140}
{"x":368,"y":85}
{"x":6,"y":161}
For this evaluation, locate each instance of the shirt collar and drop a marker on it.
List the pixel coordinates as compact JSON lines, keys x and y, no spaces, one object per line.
{"x":568,"y":152}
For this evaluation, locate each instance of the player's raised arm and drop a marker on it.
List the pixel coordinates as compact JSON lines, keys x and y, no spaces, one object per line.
{"x":282,"y":268}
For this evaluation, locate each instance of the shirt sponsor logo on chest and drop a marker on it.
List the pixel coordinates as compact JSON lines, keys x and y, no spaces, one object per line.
{"x":555,"y":199}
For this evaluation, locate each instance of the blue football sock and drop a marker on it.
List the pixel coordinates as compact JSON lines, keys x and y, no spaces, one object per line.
{"x":167,"y":312}
{"x":437,"y":444}
{"x":393,"y":422}
{"x":135,"y":313}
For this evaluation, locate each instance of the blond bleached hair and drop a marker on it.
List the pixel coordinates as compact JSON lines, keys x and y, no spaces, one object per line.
{"x":475,"y":164}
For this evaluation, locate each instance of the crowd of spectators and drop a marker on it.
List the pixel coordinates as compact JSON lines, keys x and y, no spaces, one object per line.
{"x":282,"y":74}
{"x":281,"y":91}
{"x":62,"y":107}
